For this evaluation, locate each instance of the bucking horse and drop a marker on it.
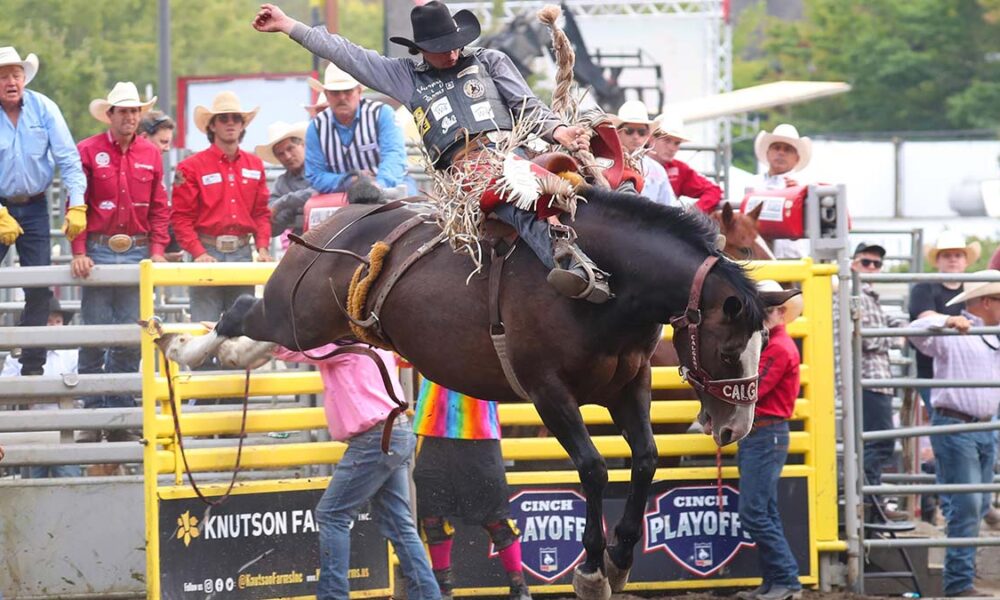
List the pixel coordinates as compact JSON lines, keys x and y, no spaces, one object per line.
{"x":560,"y":353}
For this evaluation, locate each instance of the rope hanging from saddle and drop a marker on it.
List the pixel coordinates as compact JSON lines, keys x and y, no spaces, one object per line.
{"x":357,"y":294}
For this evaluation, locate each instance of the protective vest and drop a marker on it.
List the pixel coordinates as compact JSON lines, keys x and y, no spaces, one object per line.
{"x":448,"y":105}
{"x":362,"y":153}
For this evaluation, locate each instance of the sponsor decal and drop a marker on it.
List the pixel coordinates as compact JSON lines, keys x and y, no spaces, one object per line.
{"x":551,"y":524}
{"x":772,"y":207}
{"x":140,"y":165}
{"x":211,"y":178}
{"x":106,"y":205}
{"x":102,"y":159}
{"x":251,"y":174}
{"x":449,"y":85}
{"x":474,"y":89}
{"x":241,"y":525}
{"x":440,"y":108}
{"x":468,"y":71}
{"x":688,"y":524}
{"x":420,"y":118}
{"x":482,"y":111}
{"x":448,"y":122}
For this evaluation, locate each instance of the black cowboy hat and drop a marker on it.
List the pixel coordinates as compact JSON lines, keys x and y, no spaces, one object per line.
{"x":56,"y":307}
{"x":435,"y":30}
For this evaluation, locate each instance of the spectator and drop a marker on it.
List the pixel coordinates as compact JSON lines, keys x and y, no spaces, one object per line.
{"x":357,"y":405}
{"x":634,"y":130}
{"x":127,"y":217}
{"x":286,"y":146}
{"x":36,"y":139}
{"x":352,"y":135}
{"x":57,"y":363}
{"x":762,"y":453}
{"x":784,"y":152}
{"x":876,"y":403}
{"x":158,"y":128}
{"x":668,"y":135}
{"x":220,"y":201}
{"x":460,"y":473}
{"x":964,"y":457}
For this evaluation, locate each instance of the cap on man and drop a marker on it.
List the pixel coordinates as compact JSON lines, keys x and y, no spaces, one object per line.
{"x":286,"y":146}
{"x":36,"y":140}
{"x":668,"y":135}
{"x":634,"y":130}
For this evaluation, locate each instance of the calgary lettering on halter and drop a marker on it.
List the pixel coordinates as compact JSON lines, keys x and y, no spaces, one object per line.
{"x":745,"y":392}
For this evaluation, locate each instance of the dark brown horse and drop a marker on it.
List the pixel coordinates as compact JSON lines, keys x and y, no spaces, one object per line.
{"x":565,"y":353}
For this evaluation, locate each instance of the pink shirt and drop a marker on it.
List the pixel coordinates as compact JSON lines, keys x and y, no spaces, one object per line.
{"x":354,"y":397}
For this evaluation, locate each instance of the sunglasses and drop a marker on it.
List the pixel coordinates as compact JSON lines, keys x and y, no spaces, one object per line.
{"x":868,"y":262}
{"x":636,"y":130}
{"x":229,"y":117}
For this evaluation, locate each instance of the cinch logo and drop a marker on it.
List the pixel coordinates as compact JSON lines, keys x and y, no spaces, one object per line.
{"x":688,"y":525}
{"x":551,"y":524}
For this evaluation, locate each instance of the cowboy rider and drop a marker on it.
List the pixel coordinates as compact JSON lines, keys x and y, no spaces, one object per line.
{"x":459,"y":93}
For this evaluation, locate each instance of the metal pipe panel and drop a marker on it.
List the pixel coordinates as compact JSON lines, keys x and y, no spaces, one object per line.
{"x":932,"y":488}
{"x":918,"y":277}
{"x":909,"y":542}
{"x":32,"y":277}
{"x":918,"y":332}
{"x":907,"y":432}
{"x":899,"y":382}
{"x":69,"y":336}
{"x":15,"y":389}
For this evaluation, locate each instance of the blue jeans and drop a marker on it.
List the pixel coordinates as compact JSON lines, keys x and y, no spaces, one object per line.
{"x":34,"y":249}
{"x":876,"y":411}
{"x":963,"y":458}
{"x":533,"y":231}
{"x":111,"y":305}
{"x":760,"y":458}
{"x":209,"y":302}
{"x":53,"y":471}
{"x":366,"y":474}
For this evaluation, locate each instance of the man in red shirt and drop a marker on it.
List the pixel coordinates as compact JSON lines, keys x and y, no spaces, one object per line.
{"x":668,"y":134}
{"x":127,"y":218}
{"x":762,"y":453}
{"x":220,"y":202}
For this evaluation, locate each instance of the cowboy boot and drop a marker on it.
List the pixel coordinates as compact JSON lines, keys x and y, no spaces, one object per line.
{"x":445,"y":583}
{"x":575,"y":274}
{"x":518,"y":587}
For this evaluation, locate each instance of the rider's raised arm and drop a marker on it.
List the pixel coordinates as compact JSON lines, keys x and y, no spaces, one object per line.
{"x":391,"y":76}
{"x":516,"y":93}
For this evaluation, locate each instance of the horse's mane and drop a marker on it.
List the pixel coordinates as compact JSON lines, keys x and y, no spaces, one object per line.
{"x":690,"y":226}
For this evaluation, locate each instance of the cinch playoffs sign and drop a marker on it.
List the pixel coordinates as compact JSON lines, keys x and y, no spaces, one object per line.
{"x":551,"y":524}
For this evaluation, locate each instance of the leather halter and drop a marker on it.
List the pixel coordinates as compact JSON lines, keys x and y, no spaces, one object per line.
{"x":740,"y":392}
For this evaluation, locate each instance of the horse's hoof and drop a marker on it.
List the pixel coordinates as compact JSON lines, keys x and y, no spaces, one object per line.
{"x":617,"y":577}
{"x":591,"y":586}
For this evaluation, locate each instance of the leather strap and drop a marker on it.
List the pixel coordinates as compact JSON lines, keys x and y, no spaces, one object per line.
{"x":498,"y":332}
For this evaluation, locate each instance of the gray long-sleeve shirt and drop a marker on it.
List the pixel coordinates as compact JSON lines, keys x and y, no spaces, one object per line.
{"x":394,"y":76}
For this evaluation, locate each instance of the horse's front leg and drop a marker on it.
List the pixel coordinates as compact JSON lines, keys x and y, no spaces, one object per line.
{"x":631,"y":414}
{"x":561,"y":415}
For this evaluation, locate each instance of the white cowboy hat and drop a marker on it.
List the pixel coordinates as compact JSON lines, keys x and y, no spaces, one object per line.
{"x":277,"y":132}
{"x":124,"y":94}
{"x":633,"y":111}
{"x":315,"y":109}
{"x":334,"y":80}
{"x":9,"y":56}
{"x":224,"y":102}
{"x":978,"y":289}
{"x":773,"y":294}
{"x":788,"y":134}
{"x":670,"y":126}
{"x":953,"y":240}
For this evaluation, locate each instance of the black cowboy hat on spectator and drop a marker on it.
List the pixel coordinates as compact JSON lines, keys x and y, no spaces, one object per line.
{"x":435,"y":30}
{"x":869,"y":247}
{"x":56,"y":307}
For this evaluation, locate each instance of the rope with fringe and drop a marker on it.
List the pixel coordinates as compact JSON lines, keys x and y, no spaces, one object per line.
{"x":565,"y":102}
{"x":357,"y":293}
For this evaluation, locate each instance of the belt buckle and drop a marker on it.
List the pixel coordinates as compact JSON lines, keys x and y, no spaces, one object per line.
{"x":227,"y":243}
{"x":120,"y":243}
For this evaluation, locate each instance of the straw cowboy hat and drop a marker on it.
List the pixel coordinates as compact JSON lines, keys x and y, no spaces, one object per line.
{"x":277,"y":132}
{"x":224,"y":102}
{"x":953,"y":240}
{"x":436,"y":30}
{"x":670,"y":126}
{"x":788,"y":134}
{"x":124,"y":94}
{"x":9,"y":56}
{"x":978,"y":289}
{"x":633,"y":111}
{"x":334,"y":80}
{"x":773,"y":294}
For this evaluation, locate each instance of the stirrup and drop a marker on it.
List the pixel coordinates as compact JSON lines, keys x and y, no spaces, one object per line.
{"x":581,"y":279}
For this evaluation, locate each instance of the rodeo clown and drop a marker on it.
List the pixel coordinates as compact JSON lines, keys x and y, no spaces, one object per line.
{"x":460,"y":98}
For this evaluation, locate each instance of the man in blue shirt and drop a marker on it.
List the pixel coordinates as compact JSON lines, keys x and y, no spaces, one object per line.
{"x":34,"y":139}
{"x":353,"y":134}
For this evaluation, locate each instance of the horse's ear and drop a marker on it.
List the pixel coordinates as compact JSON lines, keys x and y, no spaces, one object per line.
{"x":727,"y":213}
{"x":755,"y":213}
{"x":732,"y":307}
{"x":720,"y":242}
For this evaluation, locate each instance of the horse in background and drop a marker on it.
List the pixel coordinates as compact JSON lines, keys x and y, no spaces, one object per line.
{"x":743,"y":242}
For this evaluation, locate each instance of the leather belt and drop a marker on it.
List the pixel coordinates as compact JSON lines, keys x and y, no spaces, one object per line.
{"x":120,"y":242}
{"x":22,"y":199}
{"x":767,"y":422}
{"x":957,"y":414}
{"x":225,"y":243}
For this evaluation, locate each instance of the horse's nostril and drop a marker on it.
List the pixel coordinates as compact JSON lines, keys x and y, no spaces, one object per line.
{"x":726,"y":436}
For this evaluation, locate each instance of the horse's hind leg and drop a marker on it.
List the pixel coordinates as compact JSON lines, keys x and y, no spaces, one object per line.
{"x":561,"y":415}
{"x":631,"y":415}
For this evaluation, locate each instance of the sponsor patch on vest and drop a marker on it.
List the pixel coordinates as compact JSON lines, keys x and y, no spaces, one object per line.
{"x":689,"y":526}
{"x":474,"y":89}
{"x":482,"y":111}
{"x":139,"y":165}
{"x":211,"y":178}
{"x":102,"y":159}
{"x":106,"y":205}
{"x":440,"y":108}
{"x":551,"y":524}
{"x":448,"y":122}
{"x":449,"y":85}
{"x":468,"y":71}
{"x":251,"y":174}
{"x":420,"y":118}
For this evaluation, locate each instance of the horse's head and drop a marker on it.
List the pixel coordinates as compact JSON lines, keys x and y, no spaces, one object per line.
{"x":740,"y":231}
{"x":718,"y":341}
